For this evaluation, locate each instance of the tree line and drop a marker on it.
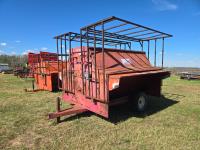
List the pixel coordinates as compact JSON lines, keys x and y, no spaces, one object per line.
{"x":14,"y":60}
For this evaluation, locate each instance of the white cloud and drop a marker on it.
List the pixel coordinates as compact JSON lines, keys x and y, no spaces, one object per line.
{"x":3,"y":44}
{"x":163,"y":5}
{"x":28,"y":51}
{"x":34,"y":50}
{"x":44,"y":48}
{"x":17,"y":41}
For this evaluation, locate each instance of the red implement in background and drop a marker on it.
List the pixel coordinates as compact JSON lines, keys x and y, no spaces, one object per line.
{"x":44,"y":68}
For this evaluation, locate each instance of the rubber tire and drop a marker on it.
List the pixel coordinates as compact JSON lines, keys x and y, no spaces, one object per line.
{"x":141,"y":102}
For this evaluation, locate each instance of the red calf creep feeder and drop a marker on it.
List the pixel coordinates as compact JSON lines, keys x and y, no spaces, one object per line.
{"x":105,"y":71}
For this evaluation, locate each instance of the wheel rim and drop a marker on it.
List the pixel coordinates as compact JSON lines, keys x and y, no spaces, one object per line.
{"x":141,"y":102}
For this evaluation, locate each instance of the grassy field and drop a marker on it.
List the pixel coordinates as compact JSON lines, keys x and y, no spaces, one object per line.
{"x":171,"y":122}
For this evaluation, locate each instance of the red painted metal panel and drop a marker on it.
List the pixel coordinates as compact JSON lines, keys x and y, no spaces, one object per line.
{"x":44,"y":68}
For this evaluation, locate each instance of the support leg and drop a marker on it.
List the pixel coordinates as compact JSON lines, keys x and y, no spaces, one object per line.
{"x":58,"y":108}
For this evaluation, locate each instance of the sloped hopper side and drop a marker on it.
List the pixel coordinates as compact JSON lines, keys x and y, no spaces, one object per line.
{"x":130,"y":72}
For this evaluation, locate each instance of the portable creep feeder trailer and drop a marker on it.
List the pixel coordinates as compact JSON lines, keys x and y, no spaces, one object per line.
{"x":105,"y":70}
{"x":43,"y":67}
{"x":33,"y":60}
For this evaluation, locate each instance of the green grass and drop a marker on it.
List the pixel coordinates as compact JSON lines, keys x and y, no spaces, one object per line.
{"x":171,"y":122}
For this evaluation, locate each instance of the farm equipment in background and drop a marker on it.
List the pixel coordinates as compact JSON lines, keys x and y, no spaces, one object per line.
{"x":4,"y":68}
{"x":21,"y":71}
{"x":105,"y":70}
{"x":26,"y":70}
{"x":44,"y":70}
{"x":189,"y":75}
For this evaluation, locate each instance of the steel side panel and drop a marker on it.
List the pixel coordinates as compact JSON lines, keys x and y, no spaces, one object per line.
{"x":41,"y":83}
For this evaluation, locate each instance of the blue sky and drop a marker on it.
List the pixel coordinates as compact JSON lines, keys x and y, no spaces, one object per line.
{"x":29,"y":25}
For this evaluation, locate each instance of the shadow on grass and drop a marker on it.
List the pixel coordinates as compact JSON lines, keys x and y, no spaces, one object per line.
{"x":155,"y":105}
{"x":123,"y":112}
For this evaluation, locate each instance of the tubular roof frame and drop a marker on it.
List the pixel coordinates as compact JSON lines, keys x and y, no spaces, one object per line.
{"x":76,"y":37}
{"x":124,"y":36}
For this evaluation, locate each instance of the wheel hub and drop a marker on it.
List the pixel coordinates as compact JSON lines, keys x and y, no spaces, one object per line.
{"x":141,"y":102}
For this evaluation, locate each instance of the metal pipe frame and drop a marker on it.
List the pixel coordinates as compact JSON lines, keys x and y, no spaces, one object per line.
{"x":148,"y":49}
{"x":95,"y":64}
{"x":76,"y":37}
{"x":113,"y":18}
{"x":103,"y":58}
{"x":82,"y":67}
{"x":88,"y":64}
{"x":58,"y":60}
{"x":163,"y":47}
{"x":155,"y":53}
{"x":66,"y":63}
{"x":106,"y":36}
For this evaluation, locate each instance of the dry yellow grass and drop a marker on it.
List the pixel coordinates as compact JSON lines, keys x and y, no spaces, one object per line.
{"x":171,"y":122}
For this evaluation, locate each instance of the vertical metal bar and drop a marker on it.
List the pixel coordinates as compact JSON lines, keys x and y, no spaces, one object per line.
{"x":163,"y":46}
{"x":142,"y":45}
{"x":107,"y":87}
{"x":103,"y":58}
{"x":48,"y":60}
{"x":82,"y":65}
{"x":88,"y":63}
{"x":95,"y":63}
{"x":155,"y":53}
{"x":61,"y":58}
{"x":58,"y":60}
{"x":70,"y":64}
{"x":148,"y":48}
{"x":40,"y":64}
{"x":58,"y":108}
{"x":66,"y":75}
{"x":73,"y":75}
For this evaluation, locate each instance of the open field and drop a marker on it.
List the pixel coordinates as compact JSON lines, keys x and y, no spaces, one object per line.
{"x":171,"y":122}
